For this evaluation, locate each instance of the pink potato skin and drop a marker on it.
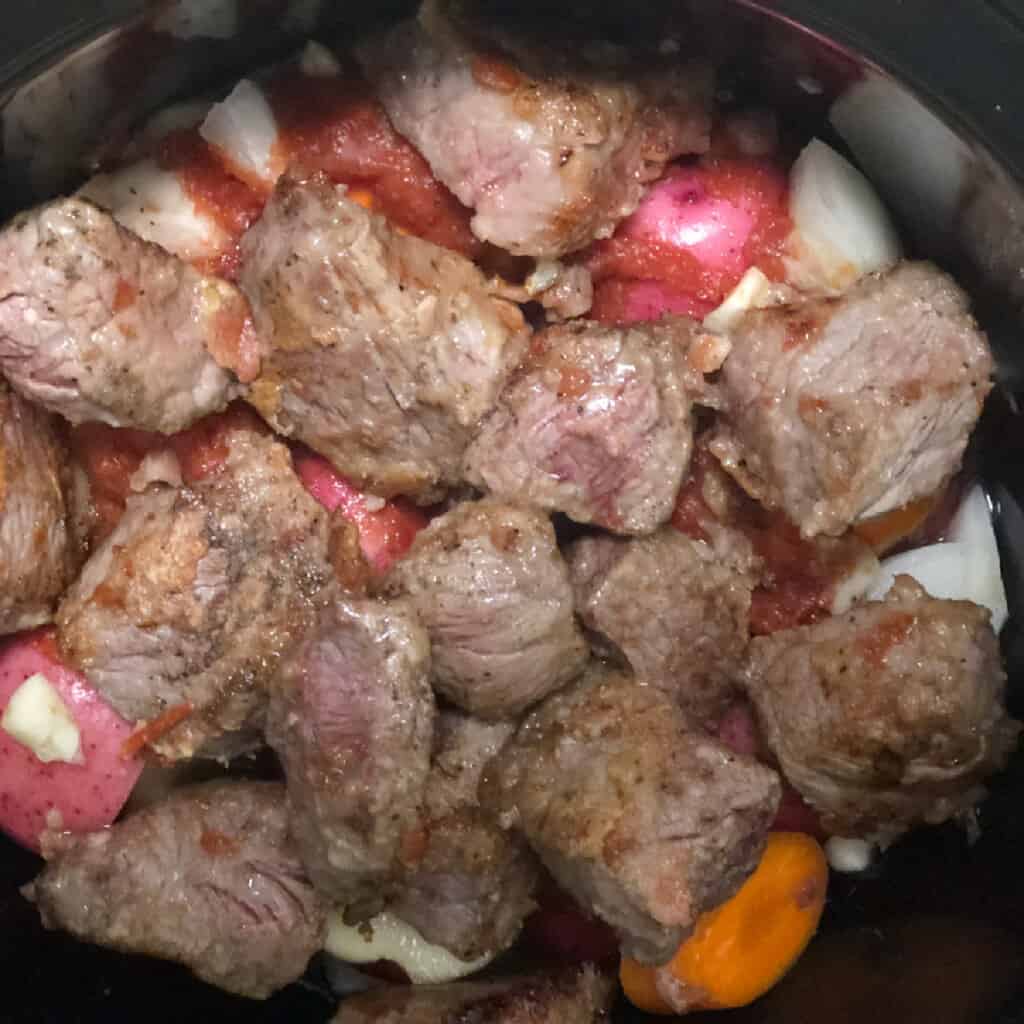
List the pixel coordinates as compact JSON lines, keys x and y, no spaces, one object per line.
{"x":87,"y":796}
{"x":679,"y":212}
{"x":693,"y":236}
{"x":385,"y":534}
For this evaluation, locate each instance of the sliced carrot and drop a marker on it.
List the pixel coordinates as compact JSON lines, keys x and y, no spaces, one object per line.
{"x":640,"y":983}
{"x":150,"y":732}
{"x":886,"y":531}
{"x":739,"y":950}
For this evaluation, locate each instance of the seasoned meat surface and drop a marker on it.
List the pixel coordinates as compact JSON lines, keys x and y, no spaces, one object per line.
{"x":469,"y":885}
{"x":39,"y":550}
{"x":351,"y":717}
{"x":838,"y":409}
{"x":675,"y":610}
{"x":197,"y":593}
{"x":493,"y":591}
{"x":888,"y":716}
{"x":207,"y":877}
{"x":550,"y":150}
{"x":646,"y":824}
{"x":463,"y":747}
{"x":383,"y":351}
{"x":572,"y":995}
{"x":598,"y":422}
{"x":96,"y":324}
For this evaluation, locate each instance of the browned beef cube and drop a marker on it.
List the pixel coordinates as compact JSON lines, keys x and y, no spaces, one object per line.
{"x":352,"y":717}
{"x":598,"y":423}
{"x":383,"y":351}
{"x":645,"y":823}
{"x":549,"y":149}
{"x":192,"y":600}
{"x":888,"y":716}
{"x":839,"y":409}
{"x":493,"y":591}
{"x":207,"y":877}
{"x":97,"y":324}
{"x":676,"y":610}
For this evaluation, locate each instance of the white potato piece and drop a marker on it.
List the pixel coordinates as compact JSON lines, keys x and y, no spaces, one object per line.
{"x":965,"y":567}
{"x":841,"y":230}
{"x":37,"y":717}
{"x":149,"y":200}
{"x":243,"y":130}
{"x":386,"y":937}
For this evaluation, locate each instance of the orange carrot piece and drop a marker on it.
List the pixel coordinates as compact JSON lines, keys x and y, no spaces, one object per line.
{"x":739,"y":950}
{"x":886,"y":531}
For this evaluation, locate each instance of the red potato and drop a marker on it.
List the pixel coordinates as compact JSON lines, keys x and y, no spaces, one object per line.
{"x":692,"y":238}
{"x":386,"y":529}
{"x":87,"y":796}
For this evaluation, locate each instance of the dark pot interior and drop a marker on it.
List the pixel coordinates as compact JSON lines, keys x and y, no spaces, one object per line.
{"x":936,"y":932}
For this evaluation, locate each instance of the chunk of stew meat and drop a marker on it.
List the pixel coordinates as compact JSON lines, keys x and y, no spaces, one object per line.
{"x":598,"y":422}
{"x":468,"y":886}
{"x":888,"y":716}
{"x":97,"y":324}
{"x":187,"y":607}
{"x":352,"y":717}
{"x":493,"y":591}
{"x":550,"y":150}
{"x":207,"y":877}
{"x":383,"y":351}
{"x":645,"y":823}
{"x":39,"y":551}
{"x":572,"y":995}
{"x":674,"y":609}
{"x":840,"y":409}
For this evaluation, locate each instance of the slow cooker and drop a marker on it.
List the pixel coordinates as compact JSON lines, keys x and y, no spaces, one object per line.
{"x":928,"y":98}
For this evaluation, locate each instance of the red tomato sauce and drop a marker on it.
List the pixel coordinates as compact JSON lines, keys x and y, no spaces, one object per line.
{"x":798,"y":576}
{"x":111,"y":455}
{"x":335,"y":125}
{"x":219,"y":195}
